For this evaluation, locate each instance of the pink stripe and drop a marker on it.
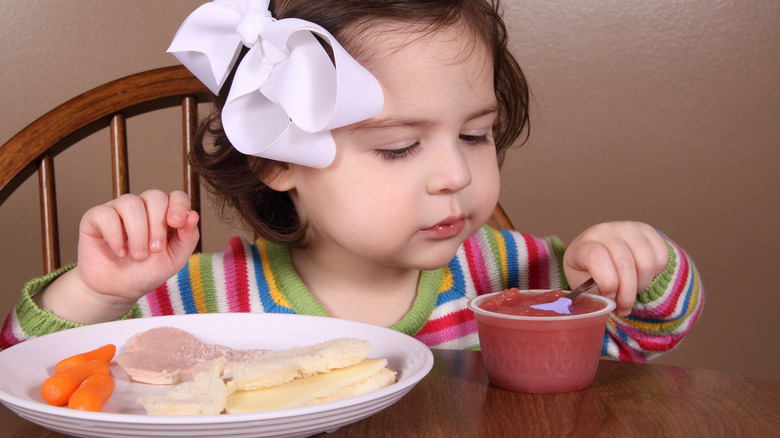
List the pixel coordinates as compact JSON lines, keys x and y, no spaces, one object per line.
{"x":538,"y":264}
{"x":7,"y":338}
{"x":451,"y":333}
{"x":678,"y":289}
{"x":160,"y":301}
{"x":236,"y":276}
{"x":477,"y":266}
{"x":667,"y":307}
{"x":230,"y":278}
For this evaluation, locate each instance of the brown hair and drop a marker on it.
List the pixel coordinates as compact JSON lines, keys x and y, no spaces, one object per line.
{"x":234,"y":178}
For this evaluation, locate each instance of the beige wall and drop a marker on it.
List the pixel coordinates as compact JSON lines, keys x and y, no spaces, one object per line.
{"x":663,"y":111}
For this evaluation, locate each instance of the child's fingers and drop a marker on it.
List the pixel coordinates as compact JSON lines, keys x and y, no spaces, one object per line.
{"x":103,"y":222}
{"x":660,"y":250}
{"x":132,"y":211}
{"x":592,"y":259}
{"x":183,"y":242}
{"x":156,"y":204}
{"x":626,"y":269}
{"x":179,"y":205}
{"x":644,"y":256}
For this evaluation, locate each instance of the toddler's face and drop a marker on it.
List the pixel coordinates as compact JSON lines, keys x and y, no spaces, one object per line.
{"x":409,"y":186}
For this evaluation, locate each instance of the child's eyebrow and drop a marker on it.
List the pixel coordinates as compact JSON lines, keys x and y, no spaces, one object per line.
{"x":408,"y":121}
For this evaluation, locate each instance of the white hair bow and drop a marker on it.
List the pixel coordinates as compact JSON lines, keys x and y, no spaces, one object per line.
{"x":287,"y":94}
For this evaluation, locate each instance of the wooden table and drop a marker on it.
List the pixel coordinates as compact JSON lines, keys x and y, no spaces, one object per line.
{"x":456,"y":400}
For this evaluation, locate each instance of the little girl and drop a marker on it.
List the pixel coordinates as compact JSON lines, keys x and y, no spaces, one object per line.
{"x":361,"y":142}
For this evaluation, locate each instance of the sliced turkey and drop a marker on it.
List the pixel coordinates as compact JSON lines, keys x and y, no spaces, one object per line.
{"x":167,"y":355}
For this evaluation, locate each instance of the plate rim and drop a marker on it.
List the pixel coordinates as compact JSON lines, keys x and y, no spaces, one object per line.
{"x":403,"y":386}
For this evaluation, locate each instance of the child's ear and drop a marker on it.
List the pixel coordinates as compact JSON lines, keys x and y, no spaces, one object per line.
{"x":278,"y":176}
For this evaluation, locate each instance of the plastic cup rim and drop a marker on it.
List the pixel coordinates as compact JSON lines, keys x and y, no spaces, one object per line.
{"x":473,"y":305}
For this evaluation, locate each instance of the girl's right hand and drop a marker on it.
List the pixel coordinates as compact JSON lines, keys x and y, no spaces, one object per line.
{"x":127,"y":247}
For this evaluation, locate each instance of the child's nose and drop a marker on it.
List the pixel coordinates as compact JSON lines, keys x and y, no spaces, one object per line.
{"x":449,"y":171}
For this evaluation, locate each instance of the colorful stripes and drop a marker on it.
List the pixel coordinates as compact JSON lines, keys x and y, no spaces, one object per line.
{"x":243,"y":279}
{"x":538,"y":263}
{"x":448,"y":327}
{"x":236,"y":278}
{"x":158,"y":302}
{"x":272,"y":297}
{"x":476,"y":266}
{"x":660,"y":324}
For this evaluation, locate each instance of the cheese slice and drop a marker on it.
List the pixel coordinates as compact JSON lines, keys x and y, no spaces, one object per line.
{"x":303,"y":390}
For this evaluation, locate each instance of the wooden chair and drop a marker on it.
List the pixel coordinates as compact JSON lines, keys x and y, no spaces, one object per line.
{"x":110,"y":105}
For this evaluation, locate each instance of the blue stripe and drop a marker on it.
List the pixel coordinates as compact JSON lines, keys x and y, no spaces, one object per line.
{"x":185,"y":290}
{"x":621,"y":334}
{"x":512,"y":265}
{"x":457,"y":291}
{"x":605,"y":344}
{"x":264,"y":293}
{"x":686,"y":303}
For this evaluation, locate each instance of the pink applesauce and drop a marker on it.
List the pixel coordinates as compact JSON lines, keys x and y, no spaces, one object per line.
{"x":512,"y":302}
{"x":540,"y":351}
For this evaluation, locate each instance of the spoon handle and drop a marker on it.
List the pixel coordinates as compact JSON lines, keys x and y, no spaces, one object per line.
{"x":590,"y":284}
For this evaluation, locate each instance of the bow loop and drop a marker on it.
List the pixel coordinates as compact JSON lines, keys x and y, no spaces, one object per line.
{"x":287,"y":93}
{"x":251,"y":27}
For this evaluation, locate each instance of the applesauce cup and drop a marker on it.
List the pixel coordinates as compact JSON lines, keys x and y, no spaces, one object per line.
{"x":541,"y":354}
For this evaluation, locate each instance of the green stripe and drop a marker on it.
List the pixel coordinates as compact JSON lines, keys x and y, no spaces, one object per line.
{"x":559,"y":249}
{"x":290,"y":284}
{"x":208,"y":283}
{"x":496,"y":252}
{"x":427,"y":293}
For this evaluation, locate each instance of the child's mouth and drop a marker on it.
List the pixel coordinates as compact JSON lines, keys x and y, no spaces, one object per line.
{"x":447,"y":228}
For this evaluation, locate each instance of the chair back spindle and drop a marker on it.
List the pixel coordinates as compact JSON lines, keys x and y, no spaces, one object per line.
{"x":50,"y":237}
{"x":119,"y":172}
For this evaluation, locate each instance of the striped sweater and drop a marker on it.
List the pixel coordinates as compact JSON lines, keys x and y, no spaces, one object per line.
{"x":260,"y":278}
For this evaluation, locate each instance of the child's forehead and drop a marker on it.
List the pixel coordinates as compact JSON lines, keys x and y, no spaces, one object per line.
{"x":372,"y":43}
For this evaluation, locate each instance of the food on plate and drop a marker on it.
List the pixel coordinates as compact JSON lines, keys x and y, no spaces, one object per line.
{"x":57,"y":389}
{"x":295,"y":377}
{"x":205,"y":394}
{"x":168,"y":355}
{"x":277,"y":367}
{"x":513,"y":302}
{"x":93,"y":393}
{"x":363,"y":377}
{"x":104,"y":353}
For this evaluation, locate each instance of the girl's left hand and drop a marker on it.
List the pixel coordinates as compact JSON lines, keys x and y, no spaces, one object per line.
{"x":623,"y":258}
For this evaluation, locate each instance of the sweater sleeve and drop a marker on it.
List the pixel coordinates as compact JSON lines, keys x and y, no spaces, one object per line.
{"x":27,"y":320}
{"x":663,"y":314}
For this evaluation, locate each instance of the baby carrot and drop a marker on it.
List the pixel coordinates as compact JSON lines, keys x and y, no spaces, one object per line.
{"x":104,"y":353}
{"x":93,"y":393}
{"x":57,"y":389}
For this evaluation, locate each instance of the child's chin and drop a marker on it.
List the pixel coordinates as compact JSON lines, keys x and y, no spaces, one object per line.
{"x":436,"y":259}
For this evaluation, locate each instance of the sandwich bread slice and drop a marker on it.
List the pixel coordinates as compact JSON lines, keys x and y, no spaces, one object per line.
{"x":327,"y":371}
{"x":278,"y":367}
{"x":205,"y":394}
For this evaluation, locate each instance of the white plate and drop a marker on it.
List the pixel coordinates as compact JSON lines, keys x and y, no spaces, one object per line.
{"x":25,"y":366}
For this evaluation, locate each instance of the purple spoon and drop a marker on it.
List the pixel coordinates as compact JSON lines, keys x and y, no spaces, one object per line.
{"x":561,"y":305}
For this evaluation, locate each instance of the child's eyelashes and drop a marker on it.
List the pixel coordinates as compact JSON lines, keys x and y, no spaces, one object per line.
{"x":396,"y":153}
{"x":475,"y":139}
{"x":399,"y":153}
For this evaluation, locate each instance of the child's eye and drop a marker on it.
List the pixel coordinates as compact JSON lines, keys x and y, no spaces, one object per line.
{"x":475,"y":139}
{"x":399,"y":153}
